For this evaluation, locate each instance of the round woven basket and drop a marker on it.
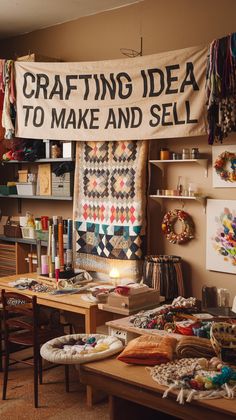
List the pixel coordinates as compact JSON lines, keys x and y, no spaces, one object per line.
{"x":223,"y":336}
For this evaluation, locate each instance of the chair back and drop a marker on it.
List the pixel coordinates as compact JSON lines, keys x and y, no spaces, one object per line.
{"x":20,"y":313}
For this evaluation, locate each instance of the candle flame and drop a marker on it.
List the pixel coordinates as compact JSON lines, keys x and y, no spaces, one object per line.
{"x":114,"y":273}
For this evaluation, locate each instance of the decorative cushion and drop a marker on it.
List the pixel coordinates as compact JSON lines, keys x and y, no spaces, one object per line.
{"x":80,"y":348}
{"x":149,"y":350}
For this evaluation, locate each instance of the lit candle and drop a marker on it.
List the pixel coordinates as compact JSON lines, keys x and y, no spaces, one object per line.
{"x":114,"y":275}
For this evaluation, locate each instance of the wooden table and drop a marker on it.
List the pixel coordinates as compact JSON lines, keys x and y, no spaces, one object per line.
{"x":133,"y":395}
{"x":71,"y":303}
{"x":122,"y":328}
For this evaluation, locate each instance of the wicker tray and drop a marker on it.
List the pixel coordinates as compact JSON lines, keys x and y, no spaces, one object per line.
{"x":12,"y":229}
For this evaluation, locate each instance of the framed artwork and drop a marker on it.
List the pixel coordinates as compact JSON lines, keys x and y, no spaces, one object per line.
{"x":224,"y":166}
{"x":221,"y":236}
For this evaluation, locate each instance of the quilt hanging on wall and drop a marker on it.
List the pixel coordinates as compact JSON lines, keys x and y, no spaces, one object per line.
{"x":110,"y":206}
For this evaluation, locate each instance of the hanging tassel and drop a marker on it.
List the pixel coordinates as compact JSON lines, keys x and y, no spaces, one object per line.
{"x":230,"y":391}
{"x":180,"y":397}
{"x":168,"y":390}
{"x":191,"y":395}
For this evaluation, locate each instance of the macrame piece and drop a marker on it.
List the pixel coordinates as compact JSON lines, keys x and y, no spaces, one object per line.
{"x":221,"y":88}
{"x":195,"y":379}
{"x":168,"y":224}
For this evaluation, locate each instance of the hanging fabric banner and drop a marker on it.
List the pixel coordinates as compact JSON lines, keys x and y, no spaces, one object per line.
{"x":156,"y":96}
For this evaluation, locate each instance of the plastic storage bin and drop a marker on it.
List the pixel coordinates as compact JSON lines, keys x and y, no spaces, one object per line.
{"x":8,"y":190}
{"x":28,"y":232}
{"x":26,"y":188}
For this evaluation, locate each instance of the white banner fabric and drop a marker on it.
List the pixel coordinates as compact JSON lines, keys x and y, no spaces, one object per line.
{"x":156,"y":96}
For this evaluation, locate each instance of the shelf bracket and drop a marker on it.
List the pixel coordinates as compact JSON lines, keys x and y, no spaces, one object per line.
{"x":204,"y":164}
{"x":19,"y":205}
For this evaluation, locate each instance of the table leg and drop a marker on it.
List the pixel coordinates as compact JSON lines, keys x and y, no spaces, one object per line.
{"x":94,"y":396}
{"x":90,"y":320}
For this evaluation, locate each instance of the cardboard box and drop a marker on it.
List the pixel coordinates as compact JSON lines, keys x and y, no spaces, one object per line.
{"x":62,"y":185}
{"x":23,"y":175}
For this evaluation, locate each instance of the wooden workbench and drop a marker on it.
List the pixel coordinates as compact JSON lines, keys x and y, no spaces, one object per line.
{"x":93,"y":316}
{"x":122,"y":328}
{"x":71,"y":303}
{"x":133,"y":394}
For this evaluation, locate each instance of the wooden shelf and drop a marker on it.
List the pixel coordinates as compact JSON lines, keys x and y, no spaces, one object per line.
{"x":38,"y":197}
{"x":201,"y":162}
{"x":21,"y":240}
{"x":200,"y":199}
{"x":43,"y":160}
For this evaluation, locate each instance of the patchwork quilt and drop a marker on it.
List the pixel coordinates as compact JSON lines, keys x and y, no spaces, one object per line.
{"x":110,"y":206}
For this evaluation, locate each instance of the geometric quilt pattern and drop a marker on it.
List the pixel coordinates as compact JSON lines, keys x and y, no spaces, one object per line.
{"x":110,"y":205}
{"x":123,"y":214}
{"x":96,"y":152}
{"x":96,"y":183}
{"x":120,"y":242}
{"x":124,"y":151}
{"x":93,"y":212}
{"x":123,"y":183}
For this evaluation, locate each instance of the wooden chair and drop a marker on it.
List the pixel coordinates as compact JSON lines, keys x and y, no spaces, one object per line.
{"x":22,"y":328}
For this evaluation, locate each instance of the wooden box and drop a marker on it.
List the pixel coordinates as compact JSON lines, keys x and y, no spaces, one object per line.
{"x":139,"y":300}
{"x":44,"y":179}
{"x":23,"y":175}
{"x":37,"y":58}
{"x":62,"y":186}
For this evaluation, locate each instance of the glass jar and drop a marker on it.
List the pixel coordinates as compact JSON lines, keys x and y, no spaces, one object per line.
{"x":209,"y":297}
{"x":176,"y":156}
{"x":194,"y":153}
{"x":55,"y":151}
{"x":186,"y":154}
{"x":164,"y":154}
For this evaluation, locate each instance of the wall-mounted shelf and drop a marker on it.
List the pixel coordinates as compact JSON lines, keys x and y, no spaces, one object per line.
{"x":201,"y":162}
{"x":38,"y":197}
{"x":48,"y":160}
{"x":21,"y":240}
{"x":200,"y":199}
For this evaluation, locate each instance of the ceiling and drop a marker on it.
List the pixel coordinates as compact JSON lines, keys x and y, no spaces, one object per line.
{"x":22,"y":16}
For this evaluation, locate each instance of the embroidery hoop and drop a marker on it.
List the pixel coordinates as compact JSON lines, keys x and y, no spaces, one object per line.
{"x":220,"y":163}
{"x":168,"y":224}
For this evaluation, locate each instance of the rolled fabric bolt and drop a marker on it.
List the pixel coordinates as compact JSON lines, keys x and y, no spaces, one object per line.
{"x":57,"y":268}
{"x":38,"y":247}
{"x":60,"y":245}
{"x":57,"y":263}
{"x":69,"y":258}
{"x":53,"y":248}
{"x":50,"y":240}
{"x":55,"y":232}
{"x":69,"y":234}
{"x":44,"y":264}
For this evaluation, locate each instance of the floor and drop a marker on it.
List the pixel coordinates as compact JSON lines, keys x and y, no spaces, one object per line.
{"x":55,"y":403}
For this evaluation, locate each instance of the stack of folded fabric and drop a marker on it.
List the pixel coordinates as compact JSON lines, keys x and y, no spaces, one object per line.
{"x":149,"y":350}
{"x":190,"y":346}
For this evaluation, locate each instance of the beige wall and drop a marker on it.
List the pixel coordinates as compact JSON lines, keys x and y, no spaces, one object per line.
{"x":164,"y":25}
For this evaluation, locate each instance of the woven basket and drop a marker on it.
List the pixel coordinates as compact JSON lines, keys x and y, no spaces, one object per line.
{"x":223,"y":338}
{"x":12,"y":229}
